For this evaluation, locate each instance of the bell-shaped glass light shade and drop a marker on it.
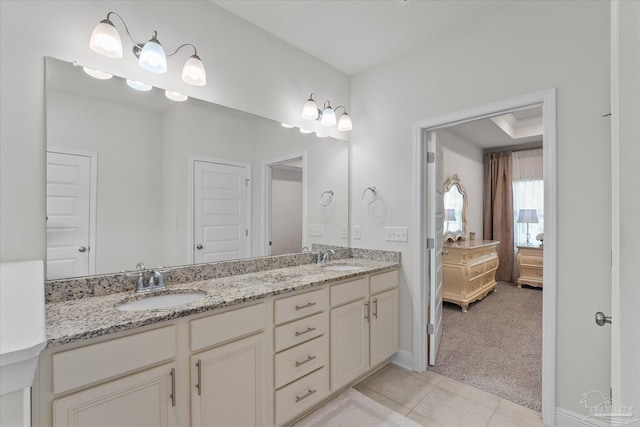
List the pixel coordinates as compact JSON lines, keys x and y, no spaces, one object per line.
{"x":105,"y":40}
{"x":328,"y":117}
{"x":175,"y":96}
{"x":97,"y":74}
{"x":193,"y":72}
{"x":152,"y":57}
{"x":344,"y":123}
{"x":135,"y":84}
{"x":310,"y":109}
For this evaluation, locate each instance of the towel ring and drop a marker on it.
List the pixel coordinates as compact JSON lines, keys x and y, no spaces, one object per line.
{"x":373,"y":197}
{"x":326,"y":198}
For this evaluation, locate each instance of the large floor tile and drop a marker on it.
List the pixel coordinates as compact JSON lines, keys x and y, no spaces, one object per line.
{"x":424,"y":421}
{"x":400,"y":386}
{"x":383,"y":400}
{"x":487,"y":399}
{"x":525,"y":415}
{"x":450,"y":409}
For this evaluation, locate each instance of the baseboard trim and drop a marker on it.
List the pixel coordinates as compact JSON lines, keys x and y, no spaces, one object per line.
{"x":404,"y":359}
{"x":566,"y":418}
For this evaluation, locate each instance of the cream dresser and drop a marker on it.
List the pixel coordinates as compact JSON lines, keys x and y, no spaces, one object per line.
{"x":469,"y":270}
{"x":529,"y":260}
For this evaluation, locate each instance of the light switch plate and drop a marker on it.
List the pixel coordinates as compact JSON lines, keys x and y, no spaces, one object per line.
{"x":356,"y":232}
{"x":316,"y":230}
{"x":397,"y":234}
{"x":345,"y":231}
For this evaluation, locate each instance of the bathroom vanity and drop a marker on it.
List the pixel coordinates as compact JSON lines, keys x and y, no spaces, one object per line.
{"x":258,"y":349}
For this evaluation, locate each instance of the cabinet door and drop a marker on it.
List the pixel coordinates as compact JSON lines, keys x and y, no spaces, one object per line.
{"x":143,"y":399}
{"x":227,"y":384}
{"x":349,"y":342}
{"x":384,"y":326}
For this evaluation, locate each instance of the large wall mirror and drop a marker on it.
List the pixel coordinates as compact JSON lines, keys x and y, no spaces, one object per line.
{"x":455,"y":209}
{"x":133,"y":177}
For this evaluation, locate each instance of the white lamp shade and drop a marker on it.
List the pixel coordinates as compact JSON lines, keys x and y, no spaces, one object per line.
{"x":344,"y":123}
{"x":134,"y":84}
{"x":152,"y":57}
{"x":193,"y":72}
{"x":175,"y":96}
{"x":310,"y":110}
{"x":328,"y":117}
{"x":97,"y":74}
{"x":105,"y":40}
{"x":528,"y":216}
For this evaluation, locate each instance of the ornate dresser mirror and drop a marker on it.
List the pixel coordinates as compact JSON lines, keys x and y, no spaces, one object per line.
{"x":455,"y":210}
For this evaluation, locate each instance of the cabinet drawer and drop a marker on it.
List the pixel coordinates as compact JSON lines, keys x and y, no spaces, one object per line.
{"x":301,"y":395}
{"x":295,"y":307}
{"x":527,"y":260}
{"x":300,"y":360}
{"x":347,"y":292}
{"x":97,"y":362}
{"x":218,"y":328}
{"x":382,"y":282}
{"x":530,"y":272}
{"x":492,"y":265}
{"x":474,"y":271}
{"x":300,"y":331}
{"x":472,"y":286}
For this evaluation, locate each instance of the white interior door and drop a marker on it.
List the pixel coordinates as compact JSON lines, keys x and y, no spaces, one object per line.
{"x":69,"y":246}
{"x":221,"y":211}
{"x":435,"y":209}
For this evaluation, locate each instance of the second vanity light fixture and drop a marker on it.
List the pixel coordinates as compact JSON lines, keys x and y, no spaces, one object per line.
{"x":327,"y":115}
{"x":105,"y":40}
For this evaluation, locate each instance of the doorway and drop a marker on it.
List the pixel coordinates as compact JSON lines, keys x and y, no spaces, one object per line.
{"x":284,"y":210}
{"x":423,"y":304}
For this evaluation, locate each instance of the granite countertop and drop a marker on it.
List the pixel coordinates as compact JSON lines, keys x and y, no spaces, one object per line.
{"x":79,"y":319}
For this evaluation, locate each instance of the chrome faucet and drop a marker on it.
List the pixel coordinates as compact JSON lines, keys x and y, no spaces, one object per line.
{"x":154,"y":283}
{"x":326,"y":257}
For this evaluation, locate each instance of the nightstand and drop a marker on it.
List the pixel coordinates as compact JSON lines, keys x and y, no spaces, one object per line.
{"x":529,"y":260}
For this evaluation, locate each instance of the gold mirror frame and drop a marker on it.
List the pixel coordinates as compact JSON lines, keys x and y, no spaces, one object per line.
{"x":458,"y":234}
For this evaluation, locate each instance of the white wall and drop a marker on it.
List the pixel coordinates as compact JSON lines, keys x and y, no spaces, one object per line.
{"x":525,"y":48}
{"x":464,"y":159}
{"x":247,"y":69}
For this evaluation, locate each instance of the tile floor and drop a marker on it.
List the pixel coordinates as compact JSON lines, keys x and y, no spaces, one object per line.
{"x":431,"y":399}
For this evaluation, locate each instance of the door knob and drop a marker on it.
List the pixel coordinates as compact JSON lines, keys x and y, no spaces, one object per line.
{"x":82,"y":249}
{"x":199,"y":246}
{"x":601,"y":319}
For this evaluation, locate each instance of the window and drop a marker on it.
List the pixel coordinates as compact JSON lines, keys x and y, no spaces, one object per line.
{"x":528,"y":193}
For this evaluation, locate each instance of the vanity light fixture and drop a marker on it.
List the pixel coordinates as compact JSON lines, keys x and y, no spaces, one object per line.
{"x":135,"y":84}
{"x":105,"y":39}
{"x":326,"y":115}
{"x":175,"y":96}
{"x":97,"y":74}
{"x":287,"y":125}
{"x":320,"y":135}
{"x":305,"y":131}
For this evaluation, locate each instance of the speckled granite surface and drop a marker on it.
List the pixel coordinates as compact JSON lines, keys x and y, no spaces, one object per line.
{"x":86,"y":317}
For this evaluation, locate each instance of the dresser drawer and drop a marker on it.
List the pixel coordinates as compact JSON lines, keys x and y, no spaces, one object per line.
{"x":347,"y":292}
{"x":472,"y":286}
{"x":534,"y":261}
{"x":474,"y":271}
{"x":301,"y":395}
{"x":297,"y":306}
{"x":101,"y":361}
{"x":382,"y":282}
{"x":218,"y":328}
{"x":531,"y":272}
{"x":300,"y":360}
{"x":492,"y":264}
{"x":300,"y":331}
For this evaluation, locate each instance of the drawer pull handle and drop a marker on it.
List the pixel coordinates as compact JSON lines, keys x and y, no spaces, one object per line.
{"x":199,"y":384}
{"x":173,"y":386}
{"x":309,"y":329}
{"x":375,"y":308}
{"x":309,"y":393}
{"x":366,"y":311}
{"x":307,"y":305}
{"x":307,"y":360}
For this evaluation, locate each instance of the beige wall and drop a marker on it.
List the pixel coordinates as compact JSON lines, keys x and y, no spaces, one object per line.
{"x":521,"y":49}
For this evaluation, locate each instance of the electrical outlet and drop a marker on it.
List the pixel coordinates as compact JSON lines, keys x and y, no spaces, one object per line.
{"x":345,"y":231}
{"x":397,"y":234}
{"x":356,"y":232}
{"x":316,"y":230}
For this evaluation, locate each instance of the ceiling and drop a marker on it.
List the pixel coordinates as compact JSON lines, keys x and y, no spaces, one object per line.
{"x":355,"y":35}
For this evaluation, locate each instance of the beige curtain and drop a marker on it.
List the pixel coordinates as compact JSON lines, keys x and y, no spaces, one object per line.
{"x":498,"y":215}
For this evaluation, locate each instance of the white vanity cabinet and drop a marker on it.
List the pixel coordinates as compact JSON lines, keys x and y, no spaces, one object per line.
{"x":364,"y":325}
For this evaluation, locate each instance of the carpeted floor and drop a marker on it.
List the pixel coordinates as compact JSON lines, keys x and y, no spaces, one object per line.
{"x":497,"y":345}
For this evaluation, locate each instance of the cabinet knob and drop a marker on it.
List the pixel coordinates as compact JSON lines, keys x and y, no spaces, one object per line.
{"x":199,"y":246}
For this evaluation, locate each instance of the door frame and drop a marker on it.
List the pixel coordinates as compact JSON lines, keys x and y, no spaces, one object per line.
{"x":266,"y":196}
{"x":190,"y":212}
{"x":93,"y":198}
{"x":547,"y":100}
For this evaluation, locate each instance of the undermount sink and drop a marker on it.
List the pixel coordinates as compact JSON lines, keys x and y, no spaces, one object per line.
{"x":341,"y":267}
{"x":160,"y":301}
